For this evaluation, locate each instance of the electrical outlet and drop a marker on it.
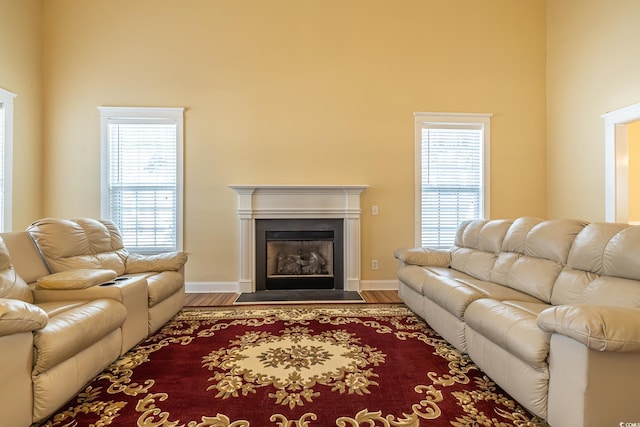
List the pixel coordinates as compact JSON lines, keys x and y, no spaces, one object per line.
{"x":374,"y":264}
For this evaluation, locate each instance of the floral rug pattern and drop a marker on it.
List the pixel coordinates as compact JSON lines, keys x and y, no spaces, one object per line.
{"x":294,"y":366}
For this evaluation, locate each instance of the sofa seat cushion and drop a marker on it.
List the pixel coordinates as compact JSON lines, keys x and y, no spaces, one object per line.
{"x":162,"y":285}
{"x":512,"y":325}
{"x":414,"y":276}
{"x":73,"y":327}
{"x":450,"y":294}
{"x":448,"y":272}
{"x":454,"y":294}
{"x":496,"y":291}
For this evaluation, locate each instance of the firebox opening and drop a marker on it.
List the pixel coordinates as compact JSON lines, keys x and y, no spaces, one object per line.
{"x":299,"y":254}
{"x":295,"y":256}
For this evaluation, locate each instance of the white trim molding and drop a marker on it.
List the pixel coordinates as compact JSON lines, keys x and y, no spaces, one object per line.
{"x":294,"y":202}
{"x":6,"y":101}
{"x":379,"y":285}
{"x":211,"y":287}
{"x":457,"y":120}
{"x":138,"y":115}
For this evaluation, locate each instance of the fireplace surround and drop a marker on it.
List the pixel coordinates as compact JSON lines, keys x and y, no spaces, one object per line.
{"x":291,"y":203}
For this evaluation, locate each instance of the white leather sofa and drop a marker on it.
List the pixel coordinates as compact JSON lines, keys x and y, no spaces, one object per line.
{"x":70,"y":305}
{"x":549,"y":309}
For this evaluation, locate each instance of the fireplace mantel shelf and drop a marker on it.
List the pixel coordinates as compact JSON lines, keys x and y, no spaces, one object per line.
{"x":299,"y":188}
{"x":299,"y":201}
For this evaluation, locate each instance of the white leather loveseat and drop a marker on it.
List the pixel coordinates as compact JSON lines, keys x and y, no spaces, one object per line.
{"x":550,"y":310}
{"x":87,"y":243}
{"x":73,"y":300}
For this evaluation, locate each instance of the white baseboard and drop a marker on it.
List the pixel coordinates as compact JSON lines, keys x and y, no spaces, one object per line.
{"x":379,"y":285}
{"x":217,"y":287}
{"x":211,"y":287}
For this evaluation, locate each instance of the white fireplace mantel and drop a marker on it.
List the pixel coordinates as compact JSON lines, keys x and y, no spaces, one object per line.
{"x":294,"y":202}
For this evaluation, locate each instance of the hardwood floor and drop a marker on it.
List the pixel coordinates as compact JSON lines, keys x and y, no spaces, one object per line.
{"x":225,"y":299}
{"x":209,"y":300}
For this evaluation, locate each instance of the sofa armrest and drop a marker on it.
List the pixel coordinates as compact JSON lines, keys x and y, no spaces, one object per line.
{"x":424,"y":256}
{"x":18,"y":316}
{"x":169,"y":261}
{"x":601,"y":328}
{"x":79,"y":278}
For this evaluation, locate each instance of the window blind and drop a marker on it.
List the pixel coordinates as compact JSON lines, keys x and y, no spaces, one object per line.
{"x":143,"y":182}
{"x":452,"y":180}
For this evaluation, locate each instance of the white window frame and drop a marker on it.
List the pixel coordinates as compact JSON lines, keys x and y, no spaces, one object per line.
{"x":142,"y":114}
{"x":422,"y":120}
{"x":6,"y":103}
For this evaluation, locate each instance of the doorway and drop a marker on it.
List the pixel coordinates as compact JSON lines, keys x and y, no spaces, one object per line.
{"x":633,"y":134}
{"x":622,"y":165}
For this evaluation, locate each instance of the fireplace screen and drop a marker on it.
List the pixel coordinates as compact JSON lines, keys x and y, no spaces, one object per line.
{"x":299,"y":257}
{"x":299,"y":254}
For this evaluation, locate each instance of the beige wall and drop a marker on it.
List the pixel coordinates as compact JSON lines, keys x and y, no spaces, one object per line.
{"x":335,"y":82}
{"x":592,"y":68}
{"x":295,"y":92}
{"x":21,"y":73}
{"x":633,"y":131}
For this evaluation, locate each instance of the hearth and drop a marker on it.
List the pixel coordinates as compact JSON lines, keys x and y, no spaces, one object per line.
{"x":299,"y":254}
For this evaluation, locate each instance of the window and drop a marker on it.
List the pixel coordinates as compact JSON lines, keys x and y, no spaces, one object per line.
{"x":142,"y":176}
{"x":452,"y":174}
{"x":6,"y":158}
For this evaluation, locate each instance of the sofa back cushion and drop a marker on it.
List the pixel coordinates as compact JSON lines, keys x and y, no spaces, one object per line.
{"x":514,"y":241}
{"x":534,"y":253}
{"x":477,"y":244}
{"x":621,"y":257}
{"x":12,"y":286}
{"x":25,"y":256}
{"x":602,"y":267}
{"x":79,"y":244}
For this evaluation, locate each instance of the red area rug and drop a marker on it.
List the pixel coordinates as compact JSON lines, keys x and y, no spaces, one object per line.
{"x":294,"y":366}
